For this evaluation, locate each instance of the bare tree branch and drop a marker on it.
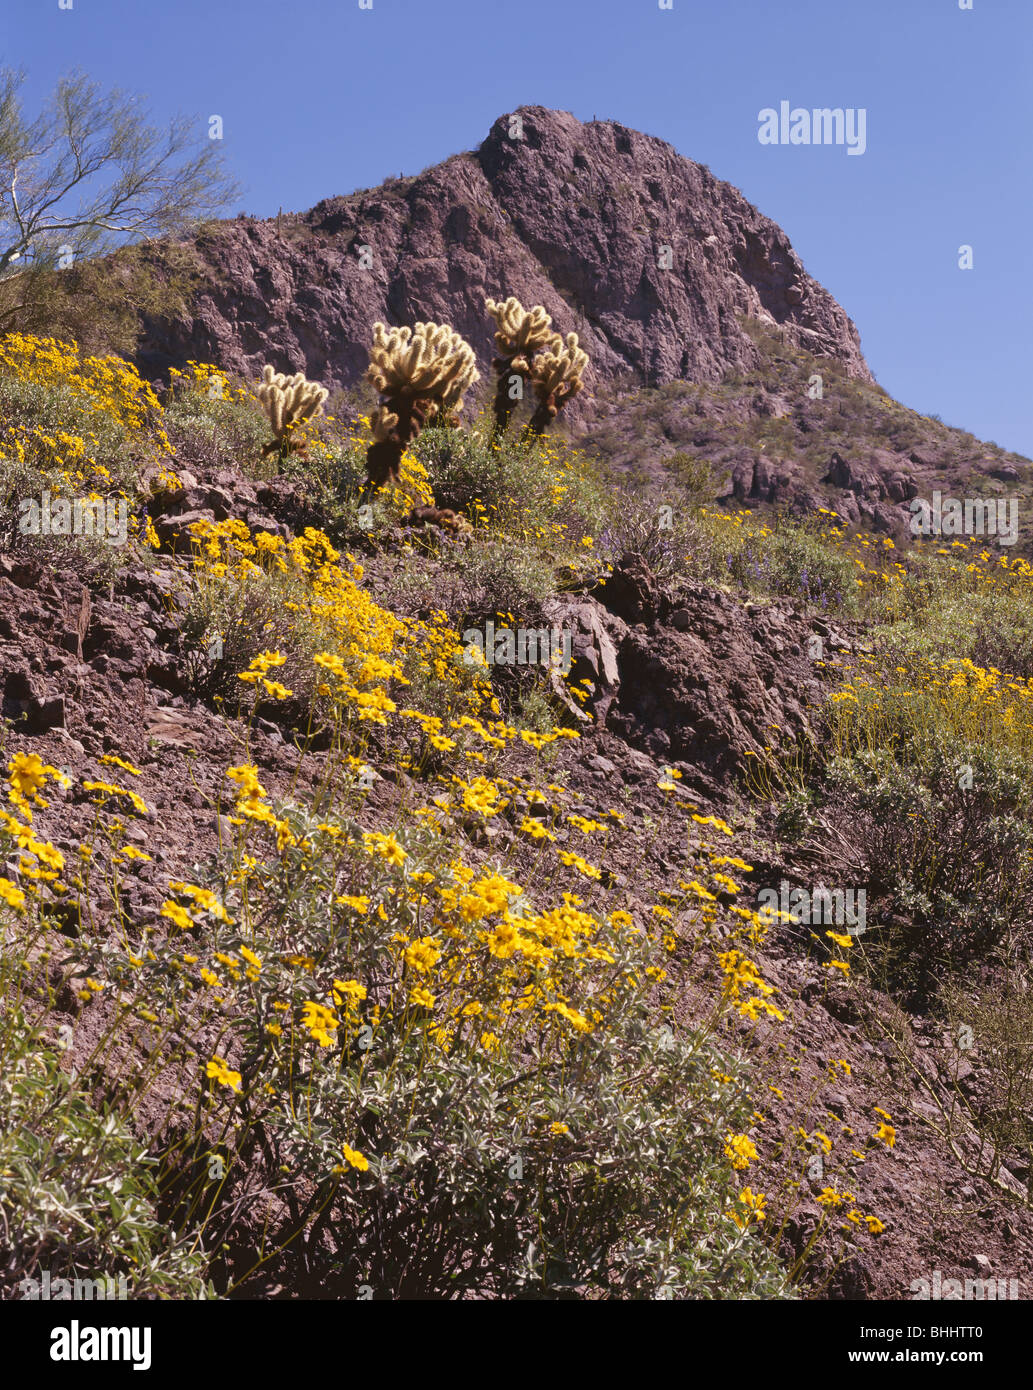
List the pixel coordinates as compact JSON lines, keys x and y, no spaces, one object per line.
{"x":89,"y":174}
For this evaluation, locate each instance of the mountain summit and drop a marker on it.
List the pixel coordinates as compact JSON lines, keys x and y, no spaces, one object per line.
{"x":646,"y":255}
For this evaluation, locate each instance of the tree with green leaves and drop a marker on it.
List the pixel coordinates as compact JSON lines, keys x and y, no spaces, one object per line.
{"x":85,"y":185}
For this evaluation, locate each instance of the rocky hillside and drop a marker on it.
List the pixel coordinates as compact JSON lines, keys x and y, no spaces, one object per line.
{"x":293,"y":862}
{"x":579,"y":217}
{"x":704,"y":330}
{"x":342,"y":964}
{"x":768,"y":440}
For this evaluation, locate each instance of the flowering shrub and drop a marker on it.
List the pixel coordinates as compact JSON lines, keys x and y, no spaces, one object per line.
{"x":78,"y":1194}
{"x":213,"y":422}
{"x":72,"y":426}
{"x":267,"y":603}
{"x":107,"y":389}
{"x":470,"y":1081}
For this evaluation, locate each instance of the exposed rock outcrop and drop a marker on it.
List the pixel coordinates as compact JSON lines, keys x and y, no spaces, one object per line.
{"x":644,"y":253}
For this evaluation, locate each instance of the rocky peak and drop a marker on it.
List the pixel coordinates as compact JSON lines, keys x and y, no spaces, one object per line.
{"x":641,"y":251}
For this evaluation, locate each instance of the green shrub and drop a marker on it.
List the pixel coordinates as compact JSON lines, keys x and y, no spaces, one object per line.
{"x":541,"y":490}
{"x":992,"y":629}
{"x":78,"y":1193}
{"x":466,"y":1122}
{"x":213,"y":423}
{"x":948,"y":868}
{"x":993,"y":1022}
{"x":694,"y":475}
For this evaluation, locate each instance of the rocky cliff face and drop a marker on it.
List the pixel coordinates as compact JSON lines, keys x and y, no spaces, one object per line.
{"x":644,"y":253}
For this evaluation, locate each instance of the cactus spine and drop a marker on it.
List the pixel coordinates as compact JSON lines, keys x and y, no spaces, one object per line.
{"x":557,"y":378}
{"x":520,"y":333}
{"x":288,"y":401}
{"x":530,"y":351}
{"x":419,"y":372}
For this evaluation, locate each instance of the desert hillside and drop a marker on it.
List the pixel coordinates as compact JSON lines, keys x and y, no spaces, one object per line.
{"x":706,"y":334}
{"x":576,"y":217}
{"x":464,"y":844}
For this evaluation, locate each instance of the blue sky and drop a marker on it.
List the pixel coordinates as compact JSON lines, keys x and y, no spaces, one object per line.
{"x":319,"y":98}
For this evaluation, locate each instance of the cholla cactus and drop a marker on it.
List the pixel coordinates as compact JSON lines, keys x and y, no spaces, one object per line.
{"x":520,"y":330}
{"x":452,"y":401}
{"x":556,"y":377}
{"x":520,"y":334}
{"x":288,"y":402}
{"x":419,"y":372}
